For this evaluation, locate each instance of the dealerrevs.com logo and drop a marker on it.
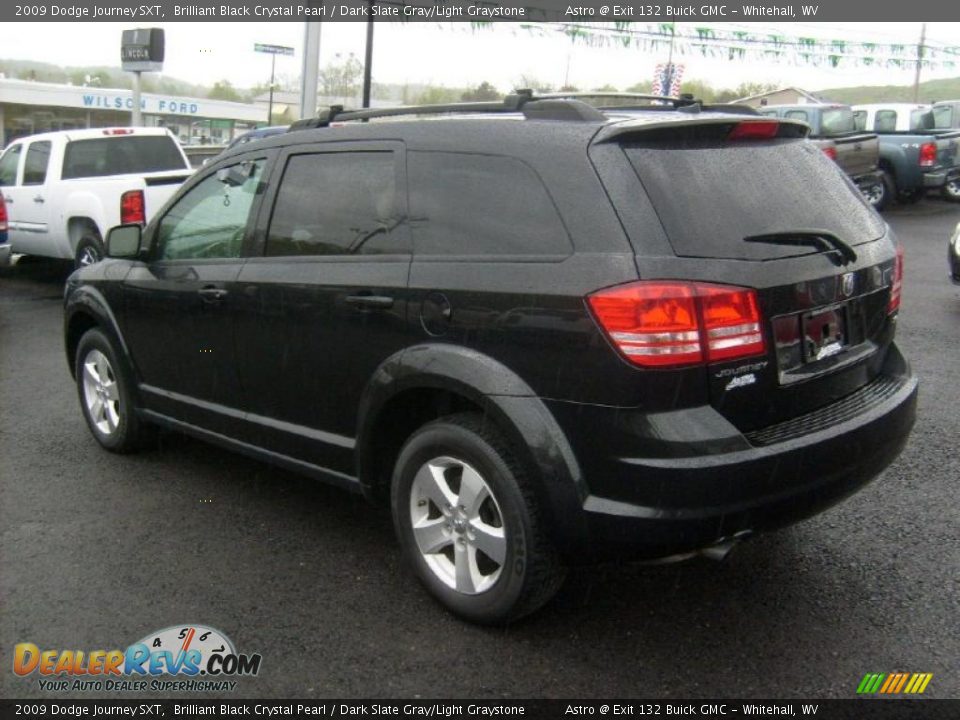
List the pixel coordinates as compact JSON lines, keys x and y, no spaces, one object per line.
{"x":175,"y":659}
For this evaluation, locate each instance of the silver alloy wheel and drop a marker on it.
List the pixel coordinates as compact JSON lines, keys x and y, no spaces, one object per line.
{"x":100,"y":392}
{"x":874,"y":194}
{"x":89,"y":256}
{"x":457,"y":525}
{"x":952,"y":189}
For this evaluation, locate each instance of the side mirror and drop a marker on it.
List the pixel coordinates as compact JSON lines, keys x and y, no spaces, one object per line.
{"x":123,"y":241}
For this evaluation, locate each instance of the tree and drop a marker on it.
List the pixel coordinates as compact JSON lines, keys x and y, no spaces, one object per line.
{"x":436,"y":95}
{"x":223,"y":90}
{"x":700,"y":90}
{"x":535,"y":84}
{"x":482,"y":92}
{"x":569,"y":88}
{"x":643,"y":87}
{"x":341,"y":79}
{"x":608,"y":88}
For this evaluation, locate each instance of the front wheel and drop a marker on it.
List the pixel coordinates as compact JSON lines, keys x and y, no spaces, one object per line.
{"x":106,"y":396}
{"x":468,"y":522}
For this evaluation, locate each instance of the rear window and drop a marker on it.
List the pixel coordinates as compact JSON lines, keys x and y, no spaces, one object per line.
{"x":710,"y":197}
{"x":121,"y":156}
{"x":839,"y":122}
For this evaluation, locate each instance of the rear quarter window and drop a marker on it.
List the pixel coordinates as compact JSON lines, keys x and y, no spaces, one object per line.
{"x":481,"y":205}
{"x":121,"y":155}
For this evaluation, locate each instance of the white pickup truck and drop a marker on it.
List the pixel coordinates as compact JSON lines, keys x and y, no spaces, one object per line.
{"x":64,"y":190}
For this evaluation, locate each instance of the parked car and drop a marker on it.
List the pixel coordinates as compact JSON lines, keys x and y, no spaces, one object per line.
{"x":833,"y":129}
{"x":543,"y":341}
{"x":914,"y":158}
{"x":65,"y":189}
{"x":4,"y":238}
{"x":257,"y":134}
{"x":953,"y":255}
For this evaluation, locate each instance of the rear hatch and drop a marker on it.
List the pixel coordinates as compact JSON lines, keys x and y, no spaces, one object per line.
{"x":707,"y":203}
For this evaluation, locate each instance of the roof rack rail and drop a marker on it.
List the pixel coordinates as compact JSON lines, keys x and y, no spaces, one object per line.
{"x":549,"y":106}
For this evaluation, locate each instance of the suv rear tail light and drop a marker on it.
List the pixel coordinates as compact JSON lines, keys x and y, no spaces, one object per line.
{"x":897,"y":285}
{"x":3,"y":214}
{"x":675,"y":323}
{"x":928,"y":154}
{"x":754,"y":130}
{"x":831,"y":152}
{"x":132,"y":208}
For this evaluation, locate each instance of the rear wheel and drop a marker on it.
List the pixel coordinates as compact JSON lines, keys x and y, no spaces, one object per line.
{"x":106,"y":396}
{"x":89,"y":250}
{"x":951,"y":191}
{"x":468,"y":523}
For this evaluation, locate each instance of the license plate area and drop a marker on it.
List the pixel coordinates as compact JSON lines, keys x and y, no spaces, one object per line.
{"x":823,"y":333}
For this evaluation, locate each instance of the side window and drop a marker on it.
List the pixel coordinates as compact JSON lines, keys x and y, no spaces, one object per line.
{"x":8,"y":166}
{"x":35,"y":167}
{"x":860,"y":119}
{"x":797,"y":115}
{"x":336,"y":203}
{"x":210,"y":221}
{"x":885,"y":121}
{"x":463,"y":204}
{"x":942,"y":116}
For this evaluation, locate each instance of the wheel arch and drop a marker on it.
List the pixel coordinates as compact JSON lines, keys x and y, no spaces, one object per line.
{"x":78,"y":227}
{"x":86,"y":308}
{"x":427,"y":382}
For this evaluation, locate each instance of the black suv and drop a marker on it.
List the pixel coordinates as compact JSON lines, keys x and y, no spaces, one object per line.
{"x":543,"y":332}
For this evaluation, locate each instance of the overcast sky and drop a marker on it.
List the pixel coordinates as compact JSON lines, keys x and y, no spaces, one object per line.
{"x":453,"y":54}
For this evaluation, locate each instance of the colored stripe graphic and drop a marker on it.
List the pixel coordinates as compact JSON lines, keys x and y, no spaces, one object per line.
{"x":894,"y":683}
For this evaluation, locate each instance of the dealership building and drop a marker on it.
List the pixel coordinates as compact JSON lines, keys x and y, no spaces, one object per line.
{"x":28,"y":107}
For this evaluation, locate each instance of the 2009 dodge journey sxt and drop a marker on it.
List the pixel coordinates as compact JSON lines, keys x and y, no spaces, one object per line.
{"x":544,"y":332}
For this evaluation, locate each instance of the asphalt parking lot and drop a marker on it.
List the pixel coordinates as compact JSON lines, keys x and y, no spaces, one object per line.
{"x":98,"y":550}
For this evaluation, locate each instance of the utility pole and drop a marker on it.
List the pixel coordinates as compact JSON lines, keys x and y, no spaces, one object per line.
{"x":368,"y":56}
{"x":916,"y":77}
{"x":309,"y":74}
{"x":273,"y":67}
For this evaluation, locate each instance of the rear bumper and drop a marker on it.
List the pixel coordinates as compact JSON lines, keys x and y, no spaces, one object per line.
{"x":936,"y":179}
{"x":5,"y":253}
{"x":650,"y":507}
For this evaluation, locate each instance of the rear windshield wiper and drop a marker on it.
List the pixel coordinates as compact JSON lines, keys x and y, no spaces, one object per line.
{"x":821,"y":239}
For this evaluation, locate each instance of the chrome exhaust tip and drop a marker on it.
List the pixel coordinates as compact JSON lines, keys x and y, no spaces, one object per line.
{"x":723,"y":547}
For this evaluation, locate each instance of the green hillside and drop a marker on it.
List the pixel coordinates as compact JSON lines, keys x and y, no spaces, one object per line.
{"x":930,"y":91}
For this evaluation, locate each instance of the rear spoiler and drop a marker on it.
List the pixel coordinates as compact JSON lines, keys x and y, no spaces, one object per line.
{"x":664,"y":127}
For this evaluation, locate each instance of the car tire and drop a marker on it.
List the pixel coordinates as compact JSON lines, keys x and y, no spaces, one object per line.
{"x":909,"y":197}
{"x":106,"y":394}
{"x":89,"y":250}
{"x":951,"y":190}
{"x":482,"y":548}
{"x":886,"y":189}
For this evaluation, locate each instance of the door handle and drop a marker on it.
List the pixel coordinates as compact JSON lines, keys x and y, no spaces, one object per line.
{"x":38,"y":199}
{"x":212,"y":294}
{"x":372,"y":302}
